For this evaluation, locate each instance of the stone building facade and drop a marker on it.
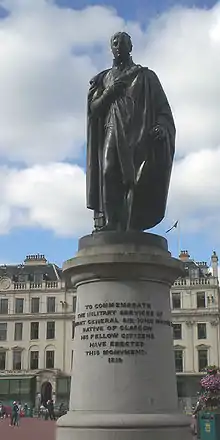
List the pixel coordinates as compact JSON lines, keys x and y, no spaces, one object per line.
{"x":36,"y":331}
{"x":37,"y":317}
{"x":195,"y":304}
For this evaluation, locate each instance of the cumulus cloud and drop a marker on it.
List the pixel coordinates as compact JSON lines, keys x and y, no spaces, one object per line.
{"x":48,"y":54}
{"x":50,"y":196}
{"x":182,"y":46}
{"x":46,"y":62}
{"x":194,"y":192}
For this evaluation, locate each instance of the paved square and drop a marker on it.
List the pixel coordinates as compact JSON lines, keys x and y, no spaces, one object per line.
{"x":29,"y":429}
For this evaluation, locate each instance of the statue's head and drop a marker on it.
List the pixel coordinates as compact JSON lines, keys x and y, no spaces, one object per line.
{"x":121,"y":46}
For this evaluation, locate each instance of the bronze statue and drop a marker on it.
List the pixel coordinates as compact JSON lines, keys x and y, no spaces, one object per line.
{"x":130,"y":145}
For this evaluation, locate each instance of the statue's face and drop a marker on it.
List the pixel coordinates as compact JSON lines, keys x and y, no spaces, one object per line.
{"x":121,"y":46}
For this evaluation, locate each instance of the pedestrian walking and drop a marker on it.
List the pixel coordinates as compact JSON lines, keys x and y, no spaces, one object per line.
{"x":14,"y":414}
{"x":19,"y":413}
{"x":2,"y":411}
{"x":50,"y":406}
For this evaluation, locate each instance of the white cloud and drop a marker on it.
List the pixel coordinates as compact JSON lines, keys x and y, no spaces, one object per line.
{"x":44,"y":77}
{"x":195,"y":186}
{"x":50,"y":196}
{"x":183,"y":46}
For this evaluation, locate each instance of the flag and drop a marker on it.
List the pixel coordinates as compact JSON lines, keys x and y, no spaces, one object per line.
{"x":173,"y":227}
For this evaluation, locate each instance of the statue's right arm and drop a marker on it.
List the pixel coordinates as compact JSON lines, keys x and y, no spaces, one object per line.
{"x":99,"y":102}
{"x":102,"y":99}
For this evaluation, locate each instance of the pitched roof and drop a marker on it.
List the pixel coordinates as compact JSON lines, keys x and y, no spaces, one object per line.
{"x":31,"y":269}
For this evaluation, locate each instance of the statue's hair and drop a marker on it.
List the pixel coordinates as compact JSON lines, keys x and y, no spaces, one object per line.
{"x":126,"y":37}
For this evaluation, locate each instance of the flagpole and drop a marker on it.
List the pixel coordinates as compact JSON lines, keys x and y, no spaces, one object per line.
{"x":178,"y":238}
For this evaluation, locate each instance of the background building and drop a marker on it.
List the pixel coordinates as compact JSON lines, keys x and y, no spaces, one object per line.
{"x":37,"y":312}
{"x":36,"y":331}
{"x":196,"y":330}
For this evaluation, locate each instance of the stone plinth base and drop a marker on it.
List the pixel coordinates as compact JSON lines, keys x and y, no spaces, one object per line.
{"x":124,"y":384}
{"x":103,"y":426}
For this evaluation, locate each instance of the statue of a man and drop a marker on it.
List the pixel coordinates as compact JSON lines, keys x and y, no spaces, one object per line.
{"x":130,"y":145}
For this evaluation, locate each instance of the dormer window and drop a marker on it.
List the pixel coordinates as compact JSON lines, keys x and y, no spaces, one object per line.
{"x":38,"y":277}
{"x":194,"y":273}
{"x":21,"y":278}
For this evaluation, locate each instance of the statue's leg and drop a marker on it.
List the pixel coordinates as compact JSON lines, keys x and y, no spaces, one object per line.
{"x":112,"y":182}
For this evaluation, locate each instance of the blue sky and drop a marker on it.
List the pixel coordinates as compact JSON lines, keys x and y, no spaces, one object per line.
{"x":42,"y":145}
{"x":138,"y":9}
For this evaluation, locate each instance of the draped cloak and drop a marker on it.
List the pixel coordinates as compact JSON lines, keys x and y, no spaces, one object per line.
{"x":135,"y":147}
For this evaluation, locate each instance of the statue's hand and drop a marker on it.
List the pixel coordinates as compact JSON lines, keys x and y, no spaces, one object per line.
{"x":107,"y":97}
{"x":158,"y":133}
{"x":116,"y":90}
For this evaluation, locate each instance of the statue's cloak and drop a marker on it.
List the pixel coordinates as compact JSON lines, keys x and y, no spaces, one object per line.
{"x":149,"y":107}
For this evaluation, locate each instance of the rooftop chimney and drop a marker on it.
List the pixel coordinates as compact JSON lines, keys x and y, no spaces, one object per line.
{"x":214,"y":262}
{"x":34,"y":260}
{"x":184,"y":256}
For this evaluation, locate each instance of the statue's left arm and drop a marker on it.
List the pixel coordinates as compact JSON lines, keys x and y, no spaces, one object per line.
{"x":163,"y":126}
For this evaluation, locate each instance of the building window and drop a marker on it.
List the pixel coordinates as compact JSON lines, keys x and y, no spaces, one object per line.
{"x":35,"y":305}
{"x":17,"y":360}
{"x":3,"y":306}
{"x":50,"y":359}
{"x":38,"y":278}
{"x":22,"y":278}
{"x":202,"y":359}
{"x":51,"y":304}
{"x":2,"y":360}
{"x":211,"y":299}
{"x":74,"y":304}
{"x":50,"y":329}
{"x":73,"y":329}
{"x":34,"y":330}
{"x":194,"y":273}
{"x":18,"y":331}
{"x":176,"y":301}
{"x":200,"y":300}
{"x":19,"y":305}
{"x":177,"y":331}
{"x":34,"y":358}
{"x":62,"y":387}
{"x":3,"y":331}
{"x":201,"y":331}
{"x":72,"y":359}
{"x":179,"y":360}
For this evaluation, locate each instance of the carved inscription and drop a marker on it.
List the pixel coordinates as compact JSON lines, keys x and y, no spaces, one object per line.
{"x":115,"y":330}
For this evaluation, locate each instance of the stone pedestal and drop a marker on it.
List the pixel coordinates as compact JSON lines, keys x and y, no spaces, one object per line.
{"x":124,"y":384}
